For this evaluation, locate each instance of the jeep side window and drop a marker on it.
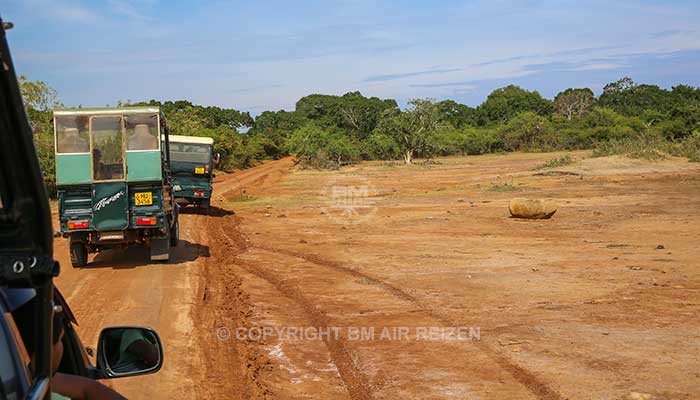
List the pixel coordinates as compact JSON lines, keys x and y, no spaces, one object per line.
{"x":141,"y":132}
{"x":72,"y":134}
{"x":107,"y":148}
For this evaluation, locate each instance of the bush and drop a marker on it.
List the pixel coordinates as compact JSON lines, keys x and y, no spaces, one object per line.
{"x":598,"y":126}
{"x":557,"y":162}
{"x":319,"y":148}
{"x":688,"y":147}
{"x":644,"y":146}
{"x":382,"y":147}
{"x":467,"y":141}
{"x":528,"y":131}
{"x":605,"y":117}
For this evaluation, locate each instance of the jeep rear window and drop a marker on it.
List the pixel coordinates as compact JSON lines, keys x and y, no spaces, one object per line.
{"x":107,"y":148}
{"x":72,"y":134}
{"x":189,"y":152}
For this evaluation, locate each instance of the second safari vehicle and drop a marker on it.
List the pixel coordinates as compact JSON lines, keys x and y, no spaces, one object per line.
{"x":114,"y":181}
{"x":193,"y":161}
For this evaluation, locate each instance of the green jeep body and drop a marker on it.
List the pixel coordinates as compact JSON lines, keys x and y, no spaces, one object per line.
{"x":113,"y":180}
{"x":192,"y":162}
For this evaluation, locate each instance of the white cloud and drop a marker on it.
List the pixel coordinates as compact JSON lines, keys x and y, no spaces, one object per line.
{"x":596,"y":67}
{"x":127,"y":9}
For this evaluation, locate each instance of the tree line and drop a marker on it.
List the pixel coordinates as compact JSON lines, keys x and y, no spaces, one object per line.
{"x":327,"y":131}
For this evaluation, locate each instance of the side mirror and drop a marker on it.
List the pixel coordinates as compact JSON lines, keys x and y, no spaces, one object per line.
{"x":216,"y":159}
{"x":128,"y":351}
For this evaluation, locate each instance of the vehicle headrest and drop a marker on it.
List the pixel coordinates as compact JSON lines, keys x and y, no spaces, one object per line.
{"x":141,"y":129}
{"x":71,"y":131}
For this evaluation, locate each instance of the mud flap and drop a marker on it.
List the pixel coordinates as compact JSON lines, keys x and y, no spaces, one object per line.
{"x":160,"y":249}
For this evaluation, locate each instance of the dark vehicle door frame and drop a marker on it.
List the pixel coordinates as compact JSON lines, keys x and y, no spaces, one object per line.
{"x":26,"y":240}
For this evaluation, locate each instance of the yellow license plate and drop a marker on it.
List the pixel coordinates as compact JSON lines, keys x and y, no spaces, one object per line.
{"x":199,"y":170}
{"x":143,"y":198}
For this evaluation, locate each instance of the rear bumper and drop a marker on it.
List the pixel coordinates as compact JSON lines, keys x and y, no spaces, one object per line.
{"x":96,"y":241}
{"x":189,"y":194}
{"x":160,"y":224}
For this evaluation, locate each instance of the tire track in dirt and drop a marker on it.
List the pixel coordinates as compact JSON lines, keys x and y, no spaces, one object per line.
{"x":355,"y":381}
{"x":528,"y":379}
{"x":231,"y":368}
{"x":123,"y":287}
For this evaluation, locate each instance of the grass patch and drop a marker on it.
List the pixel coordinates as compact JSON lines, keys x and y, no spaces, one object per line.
{"x":502,"y":186}
{"x":277,"y":202}
{"x":645,"y":147}
{"x":688,"y":147}
{"x":240,"y":198}
{"x":557,"y":162}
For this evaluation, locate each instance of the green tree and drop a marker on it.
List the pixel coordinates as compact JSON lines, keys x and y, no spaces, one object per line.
{"x":37,"y":95}
{"x":351,"y":112}
{"x":684,"y":94}
{"x":684,"y":121}
{"x":276,"y":127}
{"x":412,"y":130}
{"x":39,"y":98}
{"x":627,"y":98}
{"x":505,"y":103}
{"x":457,"y":115}
{"x":574,"y":102}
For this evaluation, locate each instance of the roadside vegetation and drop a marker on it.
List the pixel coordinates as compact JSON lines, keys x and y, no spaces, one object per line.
{"x":326,"y":131}
{"x":557,"y":162}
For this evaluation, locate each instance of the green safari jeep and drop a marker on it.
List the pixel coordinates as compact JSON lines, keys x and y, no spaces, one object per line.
{"x":113,"y":180}
{"x":192,"y":163}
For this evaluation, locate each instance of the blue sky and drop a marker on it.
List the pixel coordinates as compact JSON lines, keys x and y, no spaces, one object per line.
{"x":265,"y":55}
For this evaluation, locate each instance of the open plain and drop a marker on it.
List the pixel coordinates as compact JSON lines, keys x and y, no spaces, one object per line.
{"x":599,"y":302}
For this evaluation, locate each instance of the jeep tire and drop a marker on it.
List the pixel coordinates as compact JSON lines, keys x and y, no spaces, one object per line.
{"x":78,"y":254}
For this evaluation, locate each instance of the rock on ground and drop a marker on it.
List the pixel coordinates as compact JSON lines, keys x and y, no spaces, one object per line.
{"x":532,"y":208}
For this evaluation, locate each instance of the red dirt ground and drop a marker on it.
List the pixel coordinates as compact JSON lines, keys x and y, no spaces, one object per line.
{"x":599,"y":302}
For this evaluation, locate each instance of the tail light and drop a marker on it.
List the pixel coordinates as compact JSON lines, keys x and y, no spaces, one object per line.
{"x":200,"y":193}
{"x":141,"y":221}
{"x":82,"y":224}
{"x":206,"y":169}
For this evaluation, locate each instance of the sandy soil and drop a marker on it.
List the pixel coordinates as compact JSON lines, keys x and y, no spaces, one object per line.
{"x":599,"y":302}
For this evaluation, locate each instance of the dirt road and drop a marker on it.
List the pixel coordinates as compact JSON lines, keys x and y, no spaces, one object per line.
{"x":599,"y":302}
{"x":121,"y":287}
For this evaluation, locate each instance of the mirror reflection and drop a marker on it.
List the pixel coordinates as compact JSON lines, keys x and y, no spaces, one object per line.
{"x":129,"y":350}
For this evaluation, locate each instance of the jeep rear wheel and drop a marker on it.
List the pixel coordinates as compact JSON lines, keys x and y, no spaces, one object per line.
{"x":78,"y":254}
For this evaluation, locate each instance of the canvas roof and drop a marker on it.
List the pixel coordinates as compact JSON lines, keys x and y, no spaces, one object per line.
{"x":191,"y":139}
{"x":106,"y":111}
